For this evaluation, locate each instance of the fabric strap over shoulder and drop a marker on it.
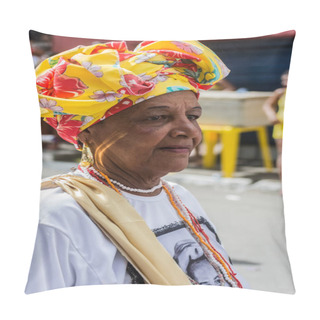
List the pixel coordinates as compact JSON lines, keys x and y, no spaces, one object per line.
{"x":122,"y":224}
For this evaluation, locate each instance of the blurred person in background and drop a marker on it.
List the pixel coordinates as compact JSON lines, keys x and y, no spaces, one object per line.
{"x":274,"y":110}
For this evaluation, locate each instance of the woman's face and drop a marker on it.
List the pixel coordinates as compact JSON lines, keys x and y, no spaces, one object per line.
{"x":151,"y":139}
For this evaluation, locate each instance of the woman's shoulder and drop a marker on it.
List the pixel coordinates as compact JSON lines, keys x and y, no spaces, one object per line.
{"x":55,"y":198}
{"x":58,"y":208}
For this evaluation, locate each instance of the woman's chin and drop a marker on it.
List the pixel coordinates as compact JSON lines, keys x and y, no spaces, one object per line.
{"x":179,"y":166}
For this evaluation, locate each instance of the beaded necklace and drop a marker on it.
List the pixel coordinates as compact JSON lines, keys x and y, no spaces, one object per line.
{"x":95,"y":172}
{"x":222,"y":267}
{"x":136,"y":190}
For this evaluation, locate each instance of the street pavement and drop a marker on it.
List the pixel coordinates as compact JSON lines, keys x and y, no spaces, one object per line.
{"x":247,"y":211}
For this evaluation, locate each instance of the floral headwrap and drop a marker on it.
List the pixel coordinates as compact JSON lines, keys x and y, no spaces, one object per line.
{"x":82,"y":86}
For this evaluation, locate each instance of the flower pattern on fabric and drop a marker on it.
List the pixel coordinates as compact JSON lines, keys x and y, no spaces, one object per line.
{"x":50,"y":104}
{"x":155,"y":80}
{"x":134,"y":85}
{"x":119,"y":46}
{"x":175,"y":88}
{"x":53,"y":62}
{"x":144,"y":99}
{"x":122,"y":105}
{"x":84,"y":85}
{"x":109,"y":96}
{"x":54,"y":83}
{"x":187,"y":47}
{"x":144,"y":57}
{"x":175,"y":54}
{"x":94,"y":69}
{"x":67,"y":128}
{"x":159,"y":78}
{"x":86,"y":120}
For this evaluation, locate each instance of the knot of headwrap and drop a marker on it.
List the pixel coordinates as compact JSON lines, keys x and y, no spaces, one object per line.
{"x":82,"y":86}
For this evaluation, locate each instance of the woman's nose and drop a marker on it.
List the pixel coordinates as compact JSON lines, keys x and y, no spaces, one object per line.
{"x":183,"y":126}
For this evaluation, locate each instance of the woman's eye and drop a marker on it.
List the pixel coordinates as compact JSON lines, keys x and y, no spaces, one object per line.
{"x":156,"y":118}
{"x":193,"y":117}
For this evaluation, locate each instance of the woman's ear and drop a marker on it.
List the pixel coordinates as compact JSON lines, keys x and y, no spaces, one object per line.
{"x":84,"y":136}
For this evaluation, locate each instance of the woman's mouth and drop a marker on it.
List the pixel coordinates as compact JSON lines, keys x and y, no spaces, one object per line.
{"x":177,"y":149}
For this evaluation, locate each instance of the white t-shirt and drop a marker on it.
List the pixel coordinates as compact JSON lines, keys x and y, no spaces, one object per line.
{"x":70,"y":250}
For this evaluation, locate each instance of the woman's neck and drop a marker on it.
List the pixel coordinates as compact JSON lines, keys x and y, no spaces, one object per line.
{"x":131,"y":183}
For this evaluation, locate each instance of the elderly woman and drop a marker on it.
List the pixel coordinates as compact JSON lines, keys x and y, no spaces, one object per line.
{"x":114,"y":220}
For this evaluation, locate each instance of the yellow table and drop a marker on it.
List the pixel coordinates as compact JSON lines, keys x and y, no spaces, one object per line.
{"x":230,"y":136}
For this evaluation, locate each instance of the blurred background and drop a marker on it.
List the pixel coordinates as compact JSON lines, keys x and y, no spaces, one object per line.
{"x":233,"y":172}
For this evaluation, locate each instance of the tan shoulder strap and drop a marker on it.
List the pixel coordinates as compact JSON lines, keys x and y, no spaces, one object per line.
{"x":120,"y":222}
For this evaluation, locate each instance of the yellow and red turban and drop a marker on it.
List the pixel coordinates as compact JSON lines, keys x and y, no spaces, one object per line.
{"x":82,"y":86}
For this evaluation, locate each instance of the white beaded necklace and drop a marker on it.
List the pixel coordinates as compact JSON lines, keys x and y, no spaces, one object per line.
{"x":137,"y":190}
{"x":128,"y":188}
